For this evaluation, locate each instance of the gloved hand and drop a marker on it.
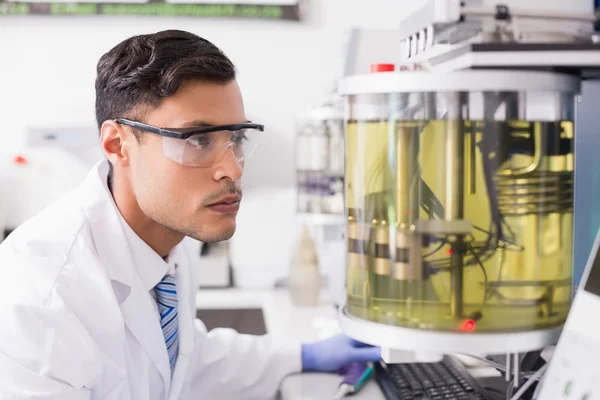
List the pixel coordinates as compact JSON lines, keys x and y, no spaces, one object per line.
{"x":332,"y":354}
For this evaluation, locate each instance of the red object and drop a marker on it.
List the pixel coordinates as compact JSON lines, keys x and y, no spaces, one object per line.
{"x":450,"y":251}
{"x":20,"y":160}
{"x":383,"y":68}
{"x":468,"y":325}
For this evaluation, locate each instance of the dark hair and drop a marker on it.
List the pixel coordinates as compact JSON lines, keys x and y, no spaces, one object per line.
{"x":137,"y":73}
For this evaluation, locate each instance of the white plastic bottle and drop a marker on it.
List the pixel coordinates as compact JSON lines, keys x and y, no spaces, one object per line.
{"x":304,"y":278}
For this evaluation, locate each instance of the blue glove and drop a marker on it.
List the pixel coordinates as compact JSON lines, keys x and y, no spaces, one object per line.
{"x":332,"y":354}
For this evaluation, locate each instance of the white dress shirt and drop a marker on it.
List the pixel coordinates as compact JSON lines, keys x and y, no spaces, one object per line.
{"x":150,"y":266}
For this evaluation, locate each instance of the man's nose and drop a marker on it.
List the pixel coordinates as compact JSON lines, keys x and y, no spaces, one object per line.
{"x":229,"y":166}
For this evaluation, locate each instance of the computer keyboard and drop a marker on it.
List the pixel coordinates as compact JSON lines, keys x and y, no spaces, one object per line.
{"x":443,"y":380}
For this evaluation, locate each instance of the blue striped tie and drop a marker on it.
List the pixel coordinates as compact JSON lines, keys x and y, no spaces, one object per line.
{"x":166,"y":297}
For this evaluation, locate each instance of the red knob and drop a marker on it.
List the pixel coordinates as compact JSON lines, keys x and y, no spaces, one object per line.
{"x":20,"y":160}
{"x":383,"y":68}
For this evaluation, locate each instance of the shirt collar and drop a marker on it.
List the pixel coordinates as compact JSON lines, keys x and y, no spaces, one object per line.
{"x":150,"y":267}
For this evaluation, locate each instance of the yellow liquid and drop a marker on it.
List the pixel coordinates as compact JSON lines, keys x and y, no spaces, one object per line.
{"x":514,"y":186}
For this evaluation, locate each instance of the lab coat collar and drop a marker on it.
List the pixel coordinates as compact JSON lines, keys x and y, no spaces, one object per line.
{"x":103,"y":216}
{"x":114,"y":251}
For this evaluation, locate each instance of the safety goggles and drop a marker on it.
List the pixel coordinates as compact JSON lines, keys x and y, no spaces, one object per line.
{"x":204,"y":146}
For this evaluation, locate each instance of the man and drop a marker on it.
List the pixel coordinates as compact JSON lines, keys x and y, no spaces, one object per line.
{"x":97,"y":299}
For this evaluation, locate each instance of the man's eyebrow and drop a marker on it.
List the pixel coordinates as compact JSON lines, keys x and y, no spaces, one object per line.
{"x":196,"y":124}
{"x":200,"y":124}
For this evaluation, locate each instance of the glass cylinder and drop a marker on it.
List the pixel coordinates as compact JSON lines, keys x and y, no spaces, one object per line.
{"x":459,"y":200}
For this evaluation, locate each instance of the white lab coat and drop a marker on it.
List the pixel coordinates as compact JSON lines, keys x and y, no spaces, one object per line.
{"x":76,"y":323}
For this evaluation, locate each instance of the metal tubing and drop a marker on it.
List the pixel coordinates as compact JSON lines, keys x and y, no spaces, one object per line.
{"x":454,"y":205}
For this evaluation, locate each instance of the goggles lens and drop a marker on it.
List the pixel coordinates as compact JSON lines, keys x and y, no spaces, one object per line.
{"x":207,"y":149}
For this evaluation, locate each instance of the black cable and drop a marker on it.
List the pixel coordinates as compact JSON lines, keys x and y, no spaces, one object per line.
{"x":502,"y":241}
{"x":488,"y":233}
{"x":485,"y":277}
{"x":482,"y":256}
{"x":442,"y":244}
{"x":508,"y":228}
{"x":488,"y":175}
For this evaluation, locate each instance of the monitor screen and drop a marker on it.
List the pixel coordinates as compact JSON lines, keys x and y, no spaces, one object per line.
{"x":250,"y":321}
{"x":592,"y":284}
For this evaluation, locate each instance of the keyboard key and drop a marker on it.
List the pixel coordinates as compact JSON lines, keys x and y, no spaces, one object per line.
{"x":388,"y":389}
{"x":456,"y":387}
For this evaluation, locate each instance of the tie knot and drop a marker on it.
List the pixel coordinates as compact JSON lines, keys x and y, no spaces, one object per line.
{"x":166,"y":292}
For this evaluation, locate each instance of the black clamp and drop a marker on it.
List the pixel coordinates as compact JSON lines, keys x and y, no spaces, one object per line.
{"x":502,"y":13}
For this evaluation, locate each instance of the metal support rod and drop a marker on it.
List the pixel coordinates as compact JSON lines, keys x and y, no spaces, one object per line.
{"x":472,"y":159}
{"x":408,"y":265}
{"x":508,"y":368}
{"x":517,"y":372}
{"x":454,"y":196}
{"x":457,"y":278}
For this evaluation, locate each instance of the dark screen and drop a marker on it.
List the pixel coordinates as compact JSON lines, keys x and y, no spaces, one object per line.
{"x":249,"y":321}
{"x":592,"y":284}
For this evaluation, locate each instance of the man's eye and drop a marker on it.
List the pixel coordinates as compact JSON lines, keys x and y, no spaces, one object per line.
{"x":239,"y":137}
{"x":200,"y":141}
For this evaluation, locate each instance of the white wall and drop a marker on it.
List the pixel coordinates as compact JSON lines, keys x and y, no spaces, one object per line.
{"x":47,"y":68}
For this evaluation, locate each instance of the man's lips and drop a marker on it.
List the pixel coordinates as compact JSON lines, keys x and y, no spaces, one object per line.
{"x":229,"y":204}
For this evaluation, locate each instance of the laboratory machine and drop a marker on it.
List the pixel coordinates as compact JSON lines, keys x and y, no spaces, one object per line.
{"x":52,"y":161}
{"x":461,"y":178}
{"x":459,"y":199}
{"x":319,"y":160}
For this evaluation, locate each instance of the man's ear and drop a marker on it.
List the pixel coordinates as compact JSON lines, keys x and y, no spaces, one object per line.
{"x":113,"y":139}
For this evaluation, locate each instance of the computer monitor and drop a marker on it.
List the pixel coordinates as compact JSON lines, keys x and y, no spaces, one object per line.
{"x":573,"y":369}
{"x":587,"y":177}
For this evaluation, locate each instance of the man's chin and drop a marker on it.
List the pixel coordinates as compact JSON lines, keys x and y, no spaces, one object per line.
{"x":216,"y":236}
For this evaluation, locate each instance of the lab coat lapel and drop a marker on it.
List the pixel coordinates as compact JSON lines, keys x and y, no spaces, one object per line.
{"x":186,"y":322}
{"x":141,"y":320}
{"x":113,"y":249}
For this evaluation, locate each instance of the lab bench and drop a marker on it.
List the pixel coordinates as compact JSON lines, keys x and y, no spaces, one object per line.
{"x":260,"y":311}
